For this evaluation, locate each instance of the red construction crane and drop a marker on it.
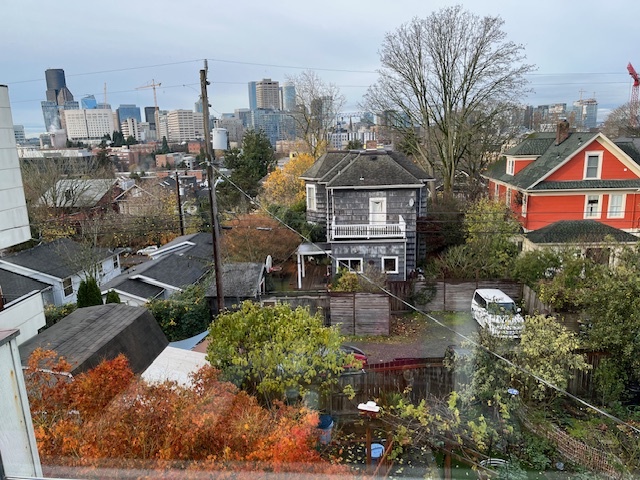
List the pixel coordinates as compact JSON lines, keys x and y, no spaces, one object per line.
{"x":633,"y":104}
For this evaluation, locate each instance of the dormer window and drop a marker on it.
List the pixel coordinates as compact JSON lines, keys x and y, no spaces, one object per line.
{"x":592,"y":165}
{"x":511,"y":166}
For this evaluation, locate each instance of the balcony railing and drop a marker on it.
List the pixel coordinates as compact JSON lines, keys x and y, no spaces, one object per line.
{"x":369,"y":230}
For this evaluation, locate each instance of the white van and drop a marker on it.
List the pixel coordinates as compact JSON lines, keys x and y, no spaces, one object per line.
{"x":495,"y":310}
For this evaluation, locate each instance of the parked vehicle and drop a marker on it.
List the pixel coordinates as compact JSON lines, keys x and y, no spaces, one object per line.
{"x":497,"y":312}
{"x":147,"y":250}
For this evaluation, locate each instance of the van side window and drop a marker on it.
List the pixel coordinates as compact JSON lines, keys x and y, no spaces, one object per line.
{"x":479,"y":300}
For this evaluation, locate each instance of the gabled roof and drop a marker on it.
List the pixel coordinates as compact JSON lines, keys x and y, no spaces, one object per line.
{"x":578,"y":231}
{"x":85,"y":192}
{"x":57,"y":258}
{"x":366,"y":168}
{"x":15,"y":285}
{"x":186,"y":261}
{"x":551,"y":156}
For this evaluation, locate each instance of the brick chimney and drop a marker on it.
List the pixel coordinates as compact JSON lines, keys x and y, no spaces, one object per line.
{"x":562,"y":132}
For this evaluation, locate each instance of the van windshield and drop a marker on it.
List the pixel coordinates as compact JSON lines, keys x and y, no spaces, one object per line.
{"x":506,"y":308}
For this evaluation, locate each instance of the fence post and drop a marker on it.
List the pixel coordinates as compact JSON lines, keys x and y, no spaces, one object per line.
{"x":444,"y":292}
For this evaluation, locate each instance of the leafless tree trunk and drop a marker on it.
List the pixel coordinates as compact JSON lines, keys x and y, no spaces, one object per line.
{"x":618,"y":123}
{"x":451,"y":74}
{"x":317,"y":107}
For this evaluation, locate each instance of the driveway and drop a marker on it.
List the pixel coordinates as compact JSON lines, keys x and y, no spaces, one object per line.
{"x":417,"y":336}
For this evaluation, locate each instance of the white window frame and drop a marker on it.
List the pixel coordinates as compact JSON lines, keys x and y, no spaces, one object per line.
{"x":116,"y":263}
{"x":507,"y":198}
{"x":342,"y":262}
{"x":620,"y":213}
{"x":382,"y":215}
{"x":588,"y":155}
{"x":311,"y":198}
{"x":496,"y":191}
{"x":66,"y":287}
{"x":511,"y":166}
{"x":525,"y":199}
{"x":598,"y":212}
{"x":395,"y":259}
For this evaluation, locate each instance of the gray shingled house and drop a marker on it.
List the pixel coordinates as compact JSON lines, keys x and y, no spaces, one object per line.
{"x":92,"y":334}
{"x":368,"y":201}
{"x":240,"y":281}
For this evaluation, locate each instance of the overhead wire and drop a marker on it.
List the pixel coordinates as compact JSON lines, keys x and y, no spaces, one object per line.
{"x":466,"y":338}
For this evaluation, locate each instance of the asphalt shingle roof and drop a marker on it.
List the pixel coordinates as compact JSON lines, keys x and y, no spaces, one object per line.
{"x":58,"y":258}
{"x":535,"y":144}
{"x":15,"y":286}
{"x":367,"y":168}
{"x":578,"y":231}
{"x":588,"y":184}
{"x":89,"y":335}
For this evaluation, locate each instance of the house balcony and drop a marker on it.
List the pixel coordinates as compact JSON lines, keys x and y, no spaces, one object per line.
{"x":369,"y":230}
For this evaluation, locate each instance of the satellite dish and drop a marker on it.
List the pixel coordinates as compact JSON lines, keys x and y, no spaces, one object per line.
{"x":269,"y":263}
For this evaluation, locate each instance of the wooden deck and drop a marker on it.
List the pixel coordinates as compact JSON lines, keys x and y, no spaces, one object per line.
{"x":287,"y":278}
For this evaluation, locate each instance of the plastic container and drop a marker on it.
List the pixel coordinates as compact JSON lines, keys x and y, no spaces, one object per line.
{"x":325,"y":425}
{"x":376,"y":452}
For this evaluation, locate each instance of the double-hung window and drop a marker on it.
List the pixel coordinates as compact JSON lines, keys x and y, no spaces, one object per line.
{"x":592,"y":206}
{"x":311,"y":197}
{"x":592,"y":165}
{"x":353,"y":264}
{"x":616,"y":204}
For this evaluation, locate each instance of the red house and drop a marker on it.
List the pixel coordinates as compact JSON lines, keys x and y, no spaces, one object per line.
{"x":570,"y":176}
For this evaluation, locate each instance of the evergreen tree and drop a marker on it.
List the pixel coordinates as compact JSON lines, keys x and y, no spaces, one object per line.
{"x":112,"y":297}
{"x":89,"y":293}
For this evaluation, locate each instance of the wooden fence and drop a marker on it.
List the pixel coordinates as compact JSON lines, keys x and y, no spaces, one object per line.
{"x":455,"y":296}
{"x":360,"y":313}
{"x":426,"y":377}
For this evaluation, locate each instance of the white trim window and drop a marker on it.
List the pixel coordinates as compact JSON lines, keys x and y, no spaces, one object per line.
{"x":390,"y":264}
{"x":525,"y":199}
{"x":67,"y":286}
{"x":592,"y":165}
{"x":496,"y":191}
{"x":353,"y":264}
{"x":616,"y":205}
{"x":508,"y":197}
{"x":311,"y":197}
{"x":511,"y":166}
{"x":592,"y":206}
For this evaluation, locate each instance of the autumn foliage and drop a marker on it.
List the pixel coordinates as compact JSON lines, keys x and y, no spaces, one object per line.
{"x":106,"y":418}
{"x":283,"y":186}
{"x":254,"y":236}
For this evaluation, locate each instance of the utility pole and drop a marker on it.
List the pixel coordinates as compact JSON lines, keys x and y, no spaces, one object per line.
{"x":212,"y":189}
{"x":179,"y":203}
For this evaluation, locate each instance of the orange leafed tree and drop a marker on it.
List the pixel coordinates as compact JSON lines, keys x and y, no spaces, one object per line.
{"x":254,"y":236}
{"x":284,"y":186}
{"x":105,"y":417}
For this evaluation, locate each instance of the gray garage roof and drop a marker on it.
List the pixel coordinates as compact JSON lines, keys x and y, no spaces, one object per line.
{"x":15,"y":286}
{"x":90,"y":335}
{"x":578,"y":231}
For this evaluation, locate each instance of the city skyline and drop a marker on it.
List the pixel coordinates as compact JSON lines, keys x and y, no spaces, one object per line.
{"x":344,"y":53}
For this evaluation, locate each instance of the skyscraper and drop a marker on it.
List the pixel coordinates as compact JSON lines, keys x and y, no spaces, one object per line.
{"x":128,"y":111}
{"x":253,"y":102}
{"x":288,"y":97}
{"x":268,"y":94}
{"x":88,"y":102}
{"x":58,"y":98}
{"x":150,"y":116}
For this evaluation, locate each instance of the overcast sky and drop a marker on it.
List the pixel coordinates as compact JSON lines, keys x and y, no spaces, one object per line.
{"x":575,"y":45}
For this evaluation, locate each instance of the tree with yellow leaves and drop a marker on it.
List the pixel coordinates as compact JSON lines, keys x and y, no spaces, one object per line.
{"x":284,"y":186}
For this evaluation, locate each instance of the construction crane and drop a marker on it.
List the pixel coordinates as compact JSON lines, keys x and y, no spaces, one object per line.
{"x":633,"y":104}
{"x":153,"y":85}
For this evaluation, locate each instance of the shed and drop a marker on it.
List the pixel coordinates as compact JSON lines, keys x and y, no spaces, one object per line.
{"x":93,"y":334}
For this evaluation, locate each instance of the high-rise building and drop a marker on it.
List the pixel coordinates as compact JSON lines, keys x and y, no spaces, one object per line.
{"x":150,"y":116}
{"x":130,"y":128}
{"x":586,"y":113}
{"x":253,"y":101}
{"x":275,"y":124}
{"x":58,"y":98}
{"x":128,"y":111}
{"x":88,"y":125}
{"x":88,"y":102}
{"x":57,"y":90}
{"x":268,"y":94}
{"x":184,"y":125}
{"x":288,"y":97}
{"x":18,"y":131}
{"x":198,"y":107}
